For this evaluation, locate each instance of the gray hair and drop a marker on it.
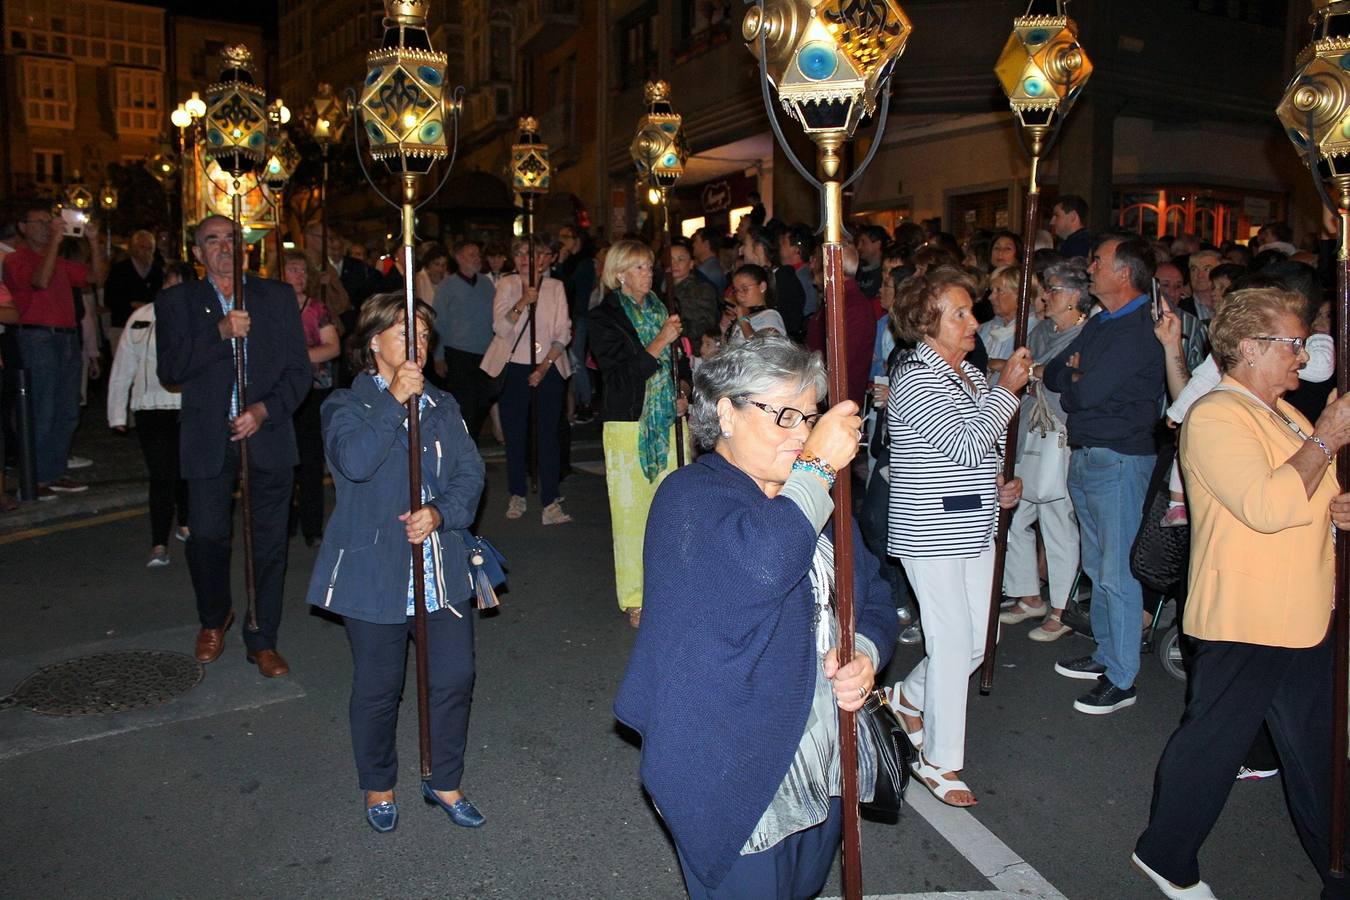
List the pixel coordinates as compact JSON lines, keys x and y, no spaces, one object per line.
{"x":765,"y":363}
{"x":1071,"y":273}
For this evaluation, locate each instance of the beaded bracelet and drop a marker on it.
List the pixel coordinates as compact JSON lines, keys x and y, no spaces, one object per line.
{"x":809,"y":462}
{"x":1322,"y":445}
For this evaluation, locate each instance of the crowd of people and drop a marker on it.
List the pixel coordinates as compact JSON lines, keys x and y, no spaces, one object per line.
{"x":1169,"y":369}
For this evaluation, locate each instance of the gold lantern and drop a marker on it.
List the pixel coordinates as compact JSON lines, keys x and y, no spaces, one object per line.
{"x":107,"y":197}
{"x":659,"y":149}
{"x":162,"y":165}
{"x":236,"y":120}
{"x":530,"y":169}
{"x":77,"y":196}
{"x":1315,"y":110}
{"x":403,"y":99}
{"x":1042,"y":71}
{"x":827,"y":58}
{"x":326,"y":116}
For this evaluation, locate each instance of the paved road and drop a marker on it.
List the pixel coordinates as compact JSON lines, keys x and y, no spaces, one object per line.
{"x":245,"y":787}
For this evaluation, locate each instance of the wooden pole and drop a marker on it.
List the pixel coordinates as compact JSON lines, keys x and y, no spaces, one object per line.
{"x":1033,"y":206}
{"x":1340,"y":690}
{"x":415,"y":479}
{"x":534,"y":342}
{"x":241,"y":404}
{"x":323,"y":228}
{"x":672,"y":308}
{"x":835,"y":344}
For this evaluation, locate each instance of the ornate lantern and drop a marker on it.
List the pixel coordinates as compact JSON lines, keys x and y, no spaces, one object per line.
{"x":659,"y":149}
{"x":1315,"y":110}
{"x":827,"y":58}
{"x":326,"y":116}
{"x":282,"y":156}
{"x":77,"y":196}
{"x":530,"y":169}
{"x":162,"y":165}
{"x":403,"y":98}
{"x":107,"y":197}
{"x":1042,"y":71}
{"x":236,"y":120}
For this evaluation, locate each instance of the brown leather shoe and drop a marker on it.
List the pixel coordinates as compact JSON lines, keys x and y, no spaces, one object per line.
{"x":210,"y":641}
{"x":270,"y":663}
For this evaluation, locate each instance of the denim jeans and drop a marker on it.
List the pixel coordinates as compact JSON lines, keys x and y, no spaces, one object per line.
{"x":54,"y":366}
{"x":1108,"y":491}
{"x":581,"y":377}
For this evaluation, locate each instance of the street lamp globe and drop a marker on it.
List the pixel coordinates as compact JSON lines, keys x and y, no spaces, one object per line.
{"x":195,"y":106}
{"x":180,"y":117}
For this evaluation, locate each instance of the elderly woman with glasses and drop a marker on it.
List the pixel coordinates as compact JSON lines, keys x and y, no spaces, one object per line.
{"x":542,"y":371}
{"x":1263,"y":495}
{"x":734,"y":681}
{"x":631,"y":333}
{"x":1066,"y":310}
{"x":947,"y":431}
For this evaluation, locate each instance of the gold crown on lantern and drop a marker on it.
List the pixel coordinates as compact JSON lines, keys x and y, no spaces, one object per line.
{"x":407,"y":12}
{"x":236,"y":56}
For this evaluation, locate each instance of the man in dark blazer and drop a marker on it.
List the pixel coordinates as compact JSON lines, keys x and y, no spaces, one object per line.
{"x":197,"y":324}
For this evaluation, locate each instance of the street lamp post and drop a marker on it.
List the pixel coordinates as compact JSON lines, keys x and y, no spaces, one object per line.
{"x":236,"y":138}
{"x":830,"y":62}
{"x":530,"y":176}
{"x":1315,"y":113}
{"x":185,"y":117}
{"x":659,"y":151}
{"x":1042,"y":70}
{"x":403,"y":113}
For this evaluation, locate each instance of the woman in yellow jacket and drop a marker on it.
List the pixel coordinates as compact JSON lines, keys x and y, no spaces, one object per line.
{"x":1261,"y":486}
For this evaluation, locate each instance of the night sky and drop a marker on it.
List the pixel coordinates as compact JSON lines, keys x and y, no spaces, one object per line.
{"x":261,"y":12}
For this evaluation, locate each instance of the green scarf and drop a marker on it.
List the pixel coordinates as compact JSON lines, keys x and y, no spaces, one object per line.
{"x":658,"y":404}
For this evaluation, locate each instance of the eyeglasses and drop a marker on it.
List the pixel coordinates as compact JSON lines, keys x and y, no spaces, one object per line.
{"x":1297,"y":344}
{"x":787,"y":417}
{"x":1057,"y":288}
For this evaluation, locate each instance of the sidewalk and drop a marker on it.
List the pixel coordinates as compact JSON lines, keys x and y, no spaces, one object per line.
{"x":118,"y":479}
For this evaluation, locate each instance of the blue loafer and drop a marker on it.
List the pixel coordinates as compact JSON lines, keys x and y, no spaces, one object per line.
{"x":383,"y":817}
{"x":461,"y":812}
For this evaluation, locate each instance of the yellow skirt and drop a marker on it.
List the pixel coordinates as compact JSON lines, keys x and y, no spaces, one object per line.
{"x":630,"y":498}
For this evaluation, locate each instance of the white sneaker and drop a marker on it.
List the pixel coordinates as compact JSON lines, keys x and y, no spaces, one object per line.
{"x":158,"y":557}
{"x":1197,"y":891}
{"x":79,"y":462}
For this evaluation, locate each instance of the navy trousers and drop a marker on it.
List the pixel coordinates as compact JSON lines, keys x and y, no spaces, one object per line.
{"x":211,"y":518}
{"x":515,"y":410}
{"x":1233,"y":689}
{"x":379,"y":663}
{"x":793,"y":869}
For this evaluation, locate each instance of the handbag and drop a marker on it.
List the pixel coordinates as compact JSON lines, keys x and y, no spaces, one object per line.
{"x":485,"y":568}
{"x":1043,"y":465}
{"x":1159,"y":556}
{"x":499,"y":380}
{"x":894,"y":755}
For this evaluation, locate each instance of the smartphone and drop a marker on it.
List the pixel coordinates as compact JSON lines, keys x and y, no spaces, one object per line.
{"x":1156,"y":300}
{"x":73,"y":222}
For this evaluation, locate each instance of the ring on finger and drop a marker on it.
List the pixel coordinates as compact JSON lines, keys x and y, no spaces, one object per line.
{"x":862,"y":692}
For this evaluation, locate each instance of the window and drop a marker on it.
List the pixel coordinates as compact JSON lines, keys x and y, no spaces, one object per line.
{"x":118,"y":32}
{"x":138,"y":101}
{"x":49,"y":167}
{"x":499,"y":46}
{"x":49,"y":92}
{"x":637,"y":56}
{"x":1271,"y":13}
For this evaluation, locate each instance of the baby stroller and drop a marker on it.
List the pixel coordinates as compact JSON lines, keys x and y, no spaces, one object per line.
{"x":1161,"y":637}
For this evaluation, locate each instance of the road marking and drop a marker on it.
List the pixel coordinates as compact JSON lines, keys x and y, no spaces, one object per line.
{"x":1013,"y":876}
{"x":43,"y":531}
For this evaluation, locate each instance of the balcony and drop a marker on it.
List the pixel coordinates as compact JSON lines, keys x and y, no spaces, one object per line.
{"x":543,"y":24}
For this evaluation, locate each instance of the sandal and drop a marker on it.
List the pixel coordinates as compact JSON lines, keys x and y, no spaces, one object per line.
{"x":553,"y":514}
{"x":893,"y":698}
{"x":1043,"y":634}
{"x":1020,"y":612}
{"x":515,"y":507}
{"x":939,"y":785}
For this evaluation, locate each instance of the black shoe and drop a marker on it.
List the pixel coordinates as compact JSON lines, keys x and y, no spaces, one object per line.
{"x":1084,"y":667}
{"x":1104,"y":698}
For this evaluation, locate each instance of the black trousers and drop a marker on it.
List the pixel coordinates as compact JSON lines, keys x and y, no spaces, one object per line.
{"x":1233,"y":689}
{"x":379,"y":663}
{"x":872,"y":523}
{"x":309,"y":474}
{"x":515,"y":412}
{"x":473,"y":389}
{"x":157,"y":430}
{"x":211,"y":518}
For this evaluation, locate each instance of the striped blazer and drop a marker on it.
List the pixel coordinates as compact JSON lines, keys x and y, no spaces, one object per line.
{"x":946,"y":447}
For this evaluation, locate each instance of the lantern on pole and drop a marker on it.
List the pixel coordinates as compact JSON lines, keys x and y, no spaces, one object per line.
{"x":402,"y":111}
{"x":830,"y":62}
{"x":107,"y":201}
{"x":1042,"y":70}
{"x":236,"y":139}
{"x":659,"y":152}
{"x":282,"y":160}
{"x":326,"y":119}
{"x":1315,"y":114}
{"x":530,"y":176}
{"x":77,"y":196}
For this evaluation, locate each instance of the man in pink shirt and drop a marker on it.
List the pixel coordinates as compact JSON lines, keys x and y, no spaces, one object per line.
{"x":44,"y":288}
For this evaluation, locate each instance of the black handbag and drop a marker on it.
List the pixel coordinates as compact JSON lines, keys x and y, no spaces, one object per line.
{"x":894,"y":755}
{"x":1159,"y":556}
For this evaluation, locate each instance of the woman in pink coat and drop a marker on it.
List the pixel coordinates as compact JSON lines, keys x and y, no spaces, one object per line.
{"x":544,"y":374}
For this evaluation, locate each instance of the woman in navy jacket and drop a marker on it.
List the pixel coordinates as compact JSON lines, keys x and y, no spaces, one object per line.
{"x":364,"y":569}
{"x":734,"y":681}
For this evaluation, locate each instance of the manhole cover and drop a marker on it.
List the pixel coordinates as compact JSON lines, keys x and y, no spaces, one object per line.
{"x":107,"y":683}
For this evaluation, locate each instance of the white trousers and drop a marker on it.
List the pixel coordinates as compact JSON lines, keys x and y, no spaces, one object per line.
{"x":953,"y":599}
{"x":1059,"y":530}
